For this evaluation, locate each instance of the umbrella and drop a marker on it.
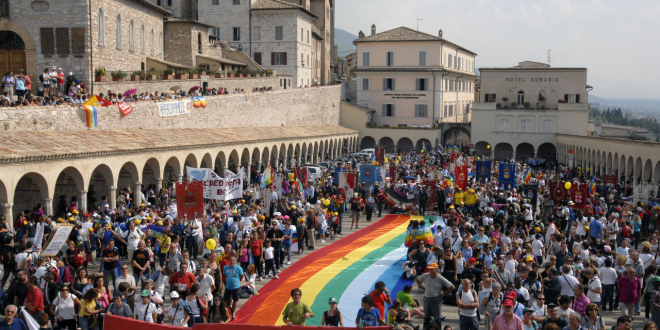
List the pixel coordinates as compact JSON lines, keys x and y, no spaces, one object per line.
{"x":130,"y":92}
{"x":408,"y":177}
{"x":195,"y":88}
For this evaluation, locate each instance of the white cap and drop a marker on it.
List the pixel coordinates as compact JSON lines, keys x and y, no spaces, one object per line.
{"x":174,"y":295}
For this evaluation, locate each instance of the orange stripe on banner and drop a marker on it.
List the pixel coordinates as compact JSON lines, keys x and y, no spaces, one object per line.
{"x":269,"y":310}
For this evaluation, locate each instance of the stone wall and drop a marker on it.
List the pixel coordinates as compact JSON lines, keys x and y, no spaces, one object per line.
{"x":246,"y":84}
{"x":297,"y":107}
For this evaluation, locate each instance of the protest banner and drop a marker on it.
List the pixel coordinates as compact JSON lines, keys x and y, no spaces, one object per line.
{"x":174,"y":108}
{"x":234,"y":184}
{"x":190,"y":199}
{"x":59,"y":239}
{"x":214,"y":185}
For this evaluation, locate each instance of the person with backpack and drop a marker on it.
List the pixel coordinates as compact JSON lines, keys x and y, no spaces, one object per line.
{"x":528,"y":323}
{"x":145,"y":310}
{"x":467,"y":301}
{"x":8,"y":259}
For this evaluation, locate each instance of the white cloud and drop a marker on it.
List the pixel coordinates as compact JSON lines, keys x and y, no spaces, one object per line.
{"x":616,"y":41}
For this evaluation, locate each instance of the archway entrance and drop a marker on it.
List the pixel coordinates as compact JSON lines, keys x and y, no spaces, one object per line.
{"x":12,"y":53}
{"x":459,"y":136}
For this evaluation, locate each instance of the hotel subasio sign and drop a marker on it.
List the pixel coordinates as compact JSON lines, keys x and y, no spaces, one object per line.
{"x":531,"y":79}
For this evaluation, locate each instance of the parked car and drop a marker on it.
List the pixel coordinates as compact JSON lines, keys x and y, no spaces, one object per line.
{"x":327,"y":165}
{"x":314,"y":172}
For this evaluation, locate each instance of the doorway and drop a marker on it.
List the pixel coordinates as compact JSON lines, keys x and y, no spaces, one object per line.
{"x":12,"y":53}
{"x":521,"y":98}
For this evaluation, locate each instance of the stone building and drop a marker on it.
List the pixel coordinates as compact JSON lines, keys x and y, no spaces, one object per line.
{"x":413,"y":78}
{"x":274,"y":32}
{"x":522,"y":110}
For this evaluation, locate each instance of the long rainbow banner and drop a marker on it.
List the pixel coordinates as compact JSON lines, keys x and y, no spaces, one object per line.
{"x":346,"y":270}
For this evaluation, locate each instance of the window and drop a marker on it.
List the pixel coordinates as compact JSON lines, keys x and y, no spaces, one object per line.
{"x":237,"y":2}
{"x":302,"y":60}
{"x":216,"y":32}
{"x":445,"y":62}
{"x":526,"y":125}
{"x":451,"y":85}
{"x":547,"y":126}
{"x":365,"y":84}
{"x":142,"y":36}
{"x":366,"y":58}
{"x":237,"y":32}
{"x":131,"y":38}
{"x":422,"y":58}
{"x":446,"y":113}
{"x":421,"y":110}
{"x":451,"y":109}
{"x":451,"y":61}
{"x":572,"y":98}
{"x":215,"y":2}
{"x":302,"y":35}
{"x":521,"y":98}
{"x":421,"y":84}
{"x":388,"y":110}
{"x":101,"y":31}
{"x":389,"y":59}
{"x":152,"y":42}
{"x":307,"y":36}
{"x":446,"y":84}
{"x":118,"y":27}
{"x":279,"y":33}
{"x":278,"y":58}
{"x":388,"y":84}
{"x":199,"y":42}
{"x":257,"y":58}
{"x":504,"y":125}
{"x":459,"y":62}
{"x":490,"y":98}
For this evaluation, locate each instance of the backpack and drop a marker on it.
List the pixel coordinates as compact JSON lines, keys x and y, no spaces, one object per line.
{"x":65,"y":274}
{"x":460,"y":293}
{"x":7,"y":256}
{"x":41,"y":78}
{"x":520,"y":299}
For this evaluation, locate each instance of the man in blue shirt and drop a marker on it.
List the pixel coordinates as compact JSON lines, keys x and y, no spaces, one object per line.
{"x":286,"y":242}
{"x":11,"y":322}
{"x":233,"y":273}
{"x":596,"y":228}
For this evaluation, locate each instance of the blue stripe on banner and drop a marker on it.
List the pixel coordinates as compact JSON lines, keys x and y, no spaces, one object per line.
{"x":398,"y":286}
{"x":351,"y":300}
{"x":391,"y":277}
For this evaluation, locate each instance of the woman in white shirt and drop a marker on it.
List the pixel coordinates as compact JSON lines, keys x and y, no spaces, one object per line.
{"x":608,"y":279}
{"x":66,"y":311}
{"x":145,"y":310}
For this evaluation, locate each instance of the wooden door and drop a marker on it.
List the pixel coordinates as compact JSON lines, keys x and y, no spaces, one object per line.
{"x":17,"y":60}
{"x":4,"y":61}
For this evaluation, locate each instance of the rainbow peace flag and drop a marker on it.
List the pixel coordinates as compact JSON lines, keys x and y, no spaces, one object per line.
{"x":410,"y":237}
{"x":373,"y":159}
{"x":528,"y":176}
{"x":202,"y":101}
{"x":347,"y":270}
{"x":247,"y":97}
{"x":425,"y":234}
{"x":91,"y":113}
{"x":196,"y":102}
{"x":267,"y":177}
{"x":156,"y":231}
{"x":592,"y":186}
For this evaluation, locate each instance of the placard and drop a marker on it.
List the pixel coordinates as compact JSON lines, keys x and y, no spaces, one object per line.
{"x":174,"y":108}
{"x":190,"y":200}
{"x":59,"y":239}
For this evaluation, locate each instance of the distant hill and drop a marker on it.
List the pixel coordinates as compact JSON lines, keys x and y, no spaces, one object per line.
{"x":648,"y":107}
{"x":344,"y":41}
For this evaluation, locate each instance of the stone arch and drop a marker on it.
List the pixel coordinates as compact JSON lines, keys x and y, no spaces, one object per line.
{"x":367,"y":142}
{"x":69,"y":183}
{"x":638,"y":168}
{"x":404,"y":144}
{"x":548,"y":151}
{"x":622,"y":165}
{"x":3,"y":195}
{"x":648,"y":170}
{"x":656,"y":174}
{"x":31,"y":189}
{"x":256,"y":157}
{"x":220,"y":163}
{"x":128,"y":175}
{"x":482,"y":149}
{"x":630,"y":167}
{"x":172,"y":168}
{"x":233,"y":161}
{"x":503,"y":151}
{"x":282,"y":155}
{"x":265,"y":158}
{"x":615,"y":162}
{"x":524,"y":151}
{"x":423,"y":144}
{"x":388,"y":144}
{"x":245,"y":158}
{"x":30,"y":46}
{"x":274,"y":156}
{"x":151,"y":174}
{"x":102,"y":174}
{"x":608,"y":162}
{"x":458,"y":135}
{"x":191,"y":160}
{"x":207,"y":161}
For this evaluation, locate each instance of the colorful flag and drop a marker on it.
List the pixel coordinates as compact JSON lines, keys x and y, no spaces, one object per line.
{"x":373,"y":159}
{"x":124,"y":108}
{"x":267,"y":177}
{"x":91,"y":114}
{"x":247,"y":97}
{"x":202,"y":101}
{"x":97,"y":101}
{"x":196,"y":102}
{"x":528,"y":176}
{"x":442,"y":150}
{"x":592,"y":186}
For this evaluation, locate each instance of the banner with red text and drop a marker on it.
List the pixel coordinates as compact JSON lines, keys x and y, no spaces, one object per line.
{"x":124,"y":108}
{"x":190,"y":199}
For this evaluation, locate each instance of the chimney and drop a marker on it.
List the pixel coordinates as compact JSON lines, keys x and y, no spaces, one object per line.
{"x":440,"y":33}
{"x":373,"y":29}
{"x":361,"y":34}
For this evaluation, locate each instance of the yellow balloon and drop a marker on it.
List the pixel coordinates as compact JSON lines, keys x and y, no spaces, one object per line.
{"x":397,"y":162}
{"x":488,"y":146}
{"x":210,"y":244}
{"x":327,"y":202}
{"x":399,"y":157}
{"x":567,"y":185}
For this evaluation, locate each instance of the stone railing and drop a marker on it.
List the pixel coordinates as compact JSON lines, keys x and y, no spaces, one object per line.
{"x":292,"y":107}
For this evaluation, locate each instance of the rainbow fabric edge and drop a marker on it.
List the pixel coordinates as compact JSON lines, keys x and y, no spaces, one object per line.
{"x":91,"y":114}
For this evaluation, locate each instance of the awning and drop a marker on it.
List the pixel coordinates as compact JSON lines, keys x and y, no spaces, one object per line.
{"x":172,"y":64}
{"x":222,"y":60}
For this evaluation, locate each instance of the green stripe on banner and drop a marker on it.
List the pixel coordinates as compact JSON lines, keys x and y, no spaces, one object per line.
{"x":337,"y":286}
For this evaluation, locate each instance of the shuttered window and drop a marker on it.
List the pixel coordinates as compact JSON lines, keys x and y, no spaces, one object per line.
{"x":421,"y":110}
{"x":389,"y":59}
{"x":422,"y":58}
{"x":388,"y":84}
{"x":388,"y":110}
{"x":421,"y":84}
{"x":278,"y":58}
{"x":366,"y":59}
{"x":365,"y":84}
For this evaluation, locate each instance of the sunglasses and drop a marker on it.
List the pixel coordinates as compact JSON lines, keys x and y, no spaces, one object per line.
{"x":540,"y":298}
{"x":297,"y":294}
{"x":590,"y":310}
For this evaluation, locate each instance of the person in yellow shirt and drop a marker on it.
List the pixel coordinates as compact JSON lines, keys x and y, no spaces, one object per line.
{"x":471,"y":201}
{"x":88,"y":309}
{"x":458,"y":197}
{"x":292,"y":177}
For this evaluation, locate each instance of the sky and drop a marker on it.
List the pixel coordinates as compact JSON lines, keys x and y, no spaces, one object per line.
{"x":617,"y":41}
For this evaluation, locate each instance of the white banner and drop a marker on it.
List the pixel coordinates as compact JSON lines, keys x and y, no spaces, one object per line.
{"x":277,"y":184}
{"x":234,"y":184}
{"x":214,"y":185}
{"x":174,"y":108}
{"x":58,"y":240}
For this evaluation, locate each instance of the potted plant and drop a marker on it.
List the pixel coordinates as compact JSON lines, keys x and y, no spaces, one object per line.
{"x":230,"y":75}
{"x":152,"y":75}
{"x":526,"y":104}
{"x":561,"y":101}
{"x":541,"y":98}
{"x":239,"y":73}
{"x":505,"y":99}
{"x":202,"y":70}
{"x":220,"y":74}
{"x":193,"y":73}
{"x":100,"y":74}
{"x":269,"y":73}
{"x":168,"y":74}
{"x":137,"y":75}
{"x":182,"y":75}
{"x":118,"y":75}
{"x":498,"y":105}
{"x":513,"y":105}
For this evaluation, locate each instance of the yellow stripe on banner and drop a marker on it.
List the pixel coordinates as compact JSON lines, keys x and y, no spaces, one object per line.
{"x":313,"y":286}
{"x":417,"y":217}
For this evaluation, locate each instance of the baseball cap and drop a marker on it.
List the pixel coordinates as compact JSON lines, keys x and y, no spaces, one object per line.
{"x":174,"y":295}
{"x":145,"y":293}
{"x":512,"y":295}
{"x":332,"y":300}
{"x":472,"y":261}
{"x":199,"y":267}
{"x":655,"y":279}
{"x":528,"y":258}
{"x":508,"y":302}
{"x":528,"y":310}
{"x":116,"y":294}
{"x":432,"y":265}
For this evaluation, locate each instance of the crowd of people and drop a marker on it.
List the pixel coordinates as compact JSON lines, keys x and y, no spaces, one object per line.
{"x":504,"y":260}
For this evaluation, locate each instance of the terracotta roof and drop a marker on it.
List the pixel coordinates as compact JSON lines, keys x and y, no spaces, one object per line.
{"x":529,"y":68}
{"x":185,"y":20}
{"x":46,"y":145}
{"x":405,"y":34}
{"x":279,"y":5}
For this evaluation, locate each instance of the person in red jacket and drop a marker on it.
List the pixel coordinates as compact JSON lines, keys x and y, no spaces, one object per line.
{"x":182,"y":280}
{"x":34,"y":302}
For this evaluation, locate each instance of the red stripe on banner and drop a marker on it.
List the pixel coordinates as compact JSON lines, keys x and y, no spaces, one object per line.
{"x":118,"y":322}
{"x":267,"y":306}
